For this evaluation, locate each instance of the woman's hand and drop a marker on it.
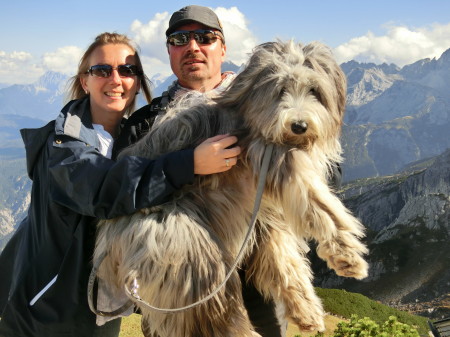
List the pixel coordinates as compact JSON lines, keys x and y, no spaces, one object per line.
{"x":212,"y":156}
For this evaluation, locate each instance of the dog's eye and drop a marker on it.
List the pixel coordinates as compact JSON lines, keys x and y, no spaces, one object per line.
{"x":282,"y":92}
{"x":315,"y":93}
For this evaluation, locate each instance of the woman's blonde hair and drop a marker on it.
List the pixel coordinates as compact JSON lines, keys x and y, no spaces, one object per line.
{"x":76,"y":90}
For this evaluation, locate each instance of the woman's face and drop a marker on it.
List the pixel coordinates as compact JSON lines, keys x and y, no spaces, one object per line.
{"x":110,"y":96}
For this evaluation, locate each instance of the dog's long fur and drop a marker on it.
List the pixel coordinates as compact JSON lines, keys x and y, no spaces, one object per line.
{"x":292,"y":96}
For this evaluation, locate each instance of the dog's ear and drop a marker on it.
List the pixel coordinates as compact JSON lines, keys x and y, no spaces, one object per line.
{"x":258,"y":71}
{"x":320,"y":58}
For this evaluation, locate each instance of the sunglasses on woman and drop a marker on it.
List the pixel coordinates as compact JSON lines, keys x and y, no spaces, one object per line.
{"x":201,"y":36}
{"x":105,"y":70}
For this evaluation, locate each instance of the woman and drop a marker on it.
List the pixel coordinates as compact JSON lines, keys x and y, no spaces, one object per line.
{"x":46,"y":264}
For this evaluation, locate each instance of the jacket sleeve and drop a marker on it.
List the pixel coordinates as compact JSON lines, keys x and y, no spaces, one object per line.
{"x":83,"y":180}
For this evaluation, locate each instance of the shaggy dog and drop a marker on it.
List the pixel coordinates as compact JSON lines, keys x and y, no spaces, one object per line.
{"x":293,"y":97}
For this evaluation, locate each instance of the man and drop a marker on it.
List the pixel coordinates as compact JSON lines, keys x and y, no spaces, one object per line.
{"x":196,"y":65}
{"x":197,"y":49}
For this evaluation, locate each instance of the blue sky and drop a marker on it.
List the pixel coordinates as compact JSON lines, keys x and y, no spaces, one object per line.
{"x":37,"y":36}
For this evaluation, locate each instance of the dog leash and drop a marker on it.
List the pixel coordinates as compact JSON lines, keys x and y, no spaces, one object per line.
{"x":133,"y":293}
{"x":91,"y":282}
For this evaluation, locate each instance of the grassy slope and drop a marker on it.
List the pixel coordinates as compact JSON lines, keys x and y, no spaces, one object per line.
{"x":337,"y":302}
{"x":131,"y":327}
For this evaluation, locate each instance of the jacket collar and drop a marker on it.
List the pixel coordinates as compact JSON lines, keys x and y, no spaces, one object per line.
{"x":75,"y":121}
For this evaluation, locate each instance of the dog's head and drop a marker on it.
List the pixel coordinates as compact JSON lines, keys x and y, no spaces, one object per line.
{"x":290,"y":94}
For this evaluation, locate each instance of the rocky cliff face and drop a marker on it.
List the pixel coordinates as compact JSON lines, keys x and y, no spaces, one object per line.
{"x":14,"y":196}
{"x":408,"y":220}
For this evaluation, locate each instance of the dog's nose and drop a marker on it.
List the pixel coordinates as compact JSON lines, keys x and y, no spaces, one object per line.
{"x":299,"y":127}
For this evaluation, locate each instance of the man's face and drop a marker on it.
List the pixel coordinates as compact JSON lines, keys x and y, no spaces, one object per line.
{"x":197,"y":66}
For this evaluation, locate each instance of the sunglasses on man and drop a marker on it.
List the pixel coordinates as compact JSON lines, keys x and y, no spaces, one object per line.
{"x":201,"y":36}
{"x":105,"y":70}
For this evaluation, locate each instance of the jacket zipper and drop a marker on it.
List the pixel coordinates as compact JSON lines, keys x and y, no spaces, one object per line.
{"x":42,"y":292}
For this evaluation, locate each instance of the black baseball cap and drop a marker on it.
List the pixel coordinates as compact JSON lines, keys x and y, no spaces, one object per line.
{"x":194,"y":13}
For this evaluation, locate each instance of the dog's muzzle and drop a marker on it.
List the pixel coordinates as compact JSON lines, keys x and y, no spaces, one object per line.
{"x":299,"y":127}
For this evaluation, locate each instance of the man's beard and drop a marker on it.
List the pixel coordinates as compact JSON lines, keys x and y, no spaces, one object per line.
{"x":193,"y":72}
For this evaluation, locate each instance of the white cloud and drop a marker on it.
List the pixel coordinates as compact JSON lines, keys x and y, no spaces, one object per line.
{"x":18,"y":67}
{"x":150,"y":37}
{"x":154,"y":66}
{"x":401,"y":45}
{"x":20,"y":56}
{"x":239,"y":39}
{"x":64,"y":60}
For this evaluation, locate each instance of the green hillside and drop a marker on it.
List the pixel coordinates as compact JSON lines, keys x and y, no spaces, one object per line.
{"x":338,"y":303}
{"x":344,"y":304}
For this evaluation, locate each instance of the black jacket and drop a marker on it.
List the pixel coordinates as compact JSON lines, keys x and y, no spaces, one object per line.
{"x":46,"y":264}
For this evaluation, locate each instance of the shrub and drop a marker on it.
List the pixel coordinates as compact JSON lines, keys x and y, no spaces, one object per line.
{"x":346,"y":304}
{"x":365,"y":327}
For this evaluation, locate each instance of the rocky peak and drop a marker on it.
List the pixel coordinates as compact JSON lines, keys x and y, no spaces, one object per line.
{"x":365,"y":84}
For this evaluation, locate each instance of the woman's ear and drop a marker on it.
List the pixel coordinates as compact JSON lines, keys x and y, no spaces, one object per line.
{"x":138,"y":86}
{"x":83,"y":82}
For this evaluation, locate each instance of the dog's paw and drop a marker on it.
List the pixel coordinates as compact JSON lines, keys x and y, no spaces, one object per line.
{"x":349,"y":266}
{"x":307,"y":313}
{"x":311,"y":322}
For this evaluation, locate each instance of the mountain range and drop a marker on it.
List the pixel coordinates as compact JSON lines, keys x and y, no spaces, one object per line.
{"x":395,"y":116}
{"x":396,"y":173}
